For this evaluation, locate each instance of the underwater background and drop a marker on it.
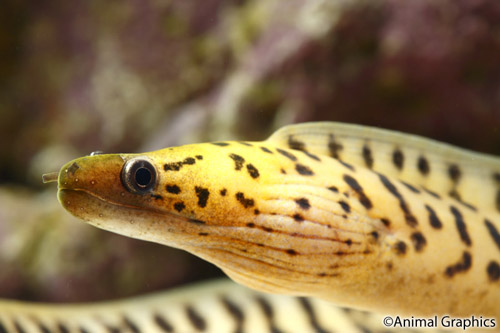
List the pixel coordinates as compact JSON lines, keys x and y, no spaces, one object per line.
{"x":139,"y":75}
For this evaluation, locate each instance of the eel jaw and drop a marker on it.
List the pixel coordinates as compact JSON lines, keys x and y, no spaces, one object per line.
{"x":135,"y":222}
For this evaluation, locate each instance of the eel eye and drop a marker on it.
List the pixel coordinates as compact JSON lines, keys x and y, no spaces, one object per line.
{"x":138,"y":176}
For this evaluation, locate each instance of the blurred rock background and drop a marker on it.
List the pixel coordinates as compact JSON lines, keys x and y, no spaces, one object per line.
{"x":136,"y":75}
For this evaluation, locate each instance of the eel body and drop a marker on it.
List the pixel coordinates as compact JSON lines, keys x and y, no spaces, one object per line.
{"x":220,"y":306}
{"x":360,"y":217}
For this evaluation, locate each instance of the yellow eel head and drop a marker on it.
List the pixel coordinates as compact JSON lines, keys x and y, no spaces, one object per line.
{"x":272,"y":219}
{"x":143,"y":196}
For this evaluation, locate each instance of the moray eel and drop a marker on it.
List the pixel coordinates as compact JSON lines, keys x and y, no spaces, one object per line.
{"x":362,"y":217}
{"x":218,"y":307}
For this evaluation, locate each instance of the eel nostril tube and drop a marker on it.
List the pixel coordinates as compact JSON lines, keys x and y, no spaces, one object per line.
{"x":50,"y":177}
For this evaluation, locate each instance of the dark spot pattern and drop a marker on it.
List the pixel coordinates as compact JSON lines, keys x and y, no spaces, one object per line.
{"x":195,"y":221}
{"x":400,"y":248}
{"x":176,"y":166}
{"x":334,"y":147}
{"x":244,"y":201}
{"x":434,"y":194}
{"x":173,"y":166}
{"x":354,"y":185}
{"x":347,"y":165}
{"x":265,"y":150}
{"x":43,"y":328}
{"x":398,"y":158}
{"x":202,"y":194}
{"x":374,"y":234}
{"x":423,"y":166}
{"x":410,"y":187}
{"x":454,"y":173}
{"x":312,"y":156}
{"x":254,"y":173}
{"x":156,"y":196}
{"x":434,"y":220}
{"x":493,"y":271}
{"x":250,"y":224}
{"x":295,"y":144}
{"x":409,"y":217}
{"x":189,"y":161}
{"x":303,"y":170}
{"x":162,"y":323}
{"x":303,"y":203}
{"x":462,"y":266}
{"x":468,"y":205}
{"x":223,"y":192}
{"x":496,"y":177}
{"x":174,"y":189}
{"x":195,"y":318}
{"x":454,"y":194}
{"x":199,"y":157}
{"x":345,"y":206}
{"x":19,"y":327}
{"x":130,"y":325}
{"x":367,"y":156}
{"x":493,"y":232}
{"x":80,"y":329}
{"x":311,"y":315}
{"x":267,"y":229}
{"x":288,"y":155}
{"x":461,"y":226}
{"x":203,"y":234}
{"x":72,"y":169}
{"x":238,"y":161}
{"x":298,"y":218}
{"x":268,"y":312}
{"x":291,"y":252}
{"x":418,"y":240}
{"x":385,"y":221}
{"x":256,"y":211}
{"x":497,"y":200}
{"x":179,"y":206}
{"x":334,"y":189}
{"x":235,"y":312}
{"x":245,"y":143}
{"x":64,"y":329}
{"x":220,"y":144}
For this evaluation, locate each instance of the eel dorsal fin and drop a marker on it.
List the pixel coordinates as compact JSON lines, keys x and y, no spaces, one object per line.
{"x":423,"y":164}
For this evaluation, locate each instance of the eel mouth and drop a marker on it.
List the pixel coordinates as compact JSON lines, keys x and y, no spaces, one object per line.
{"x":109,"y":215}
{"x":70,"y":198}
{"x":91,"y":207}
{"x":142,"y":223}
